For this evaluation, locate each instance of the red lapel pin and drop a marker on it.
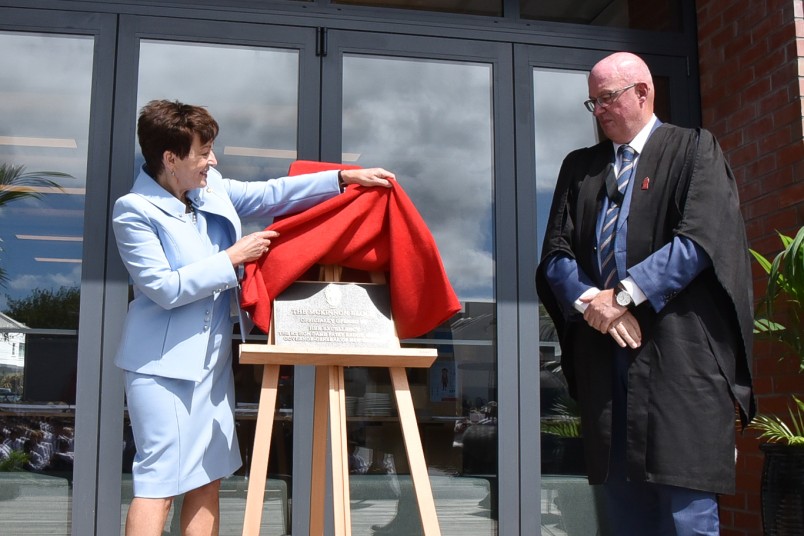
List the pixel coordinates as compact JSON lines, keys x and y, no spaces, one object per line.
{"x":645,"y":183}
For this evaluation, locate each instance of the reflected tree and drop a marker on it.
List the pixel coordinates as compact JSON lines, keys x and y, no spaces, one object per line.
{"x":47,"y":309}
{"x":16,"y":184}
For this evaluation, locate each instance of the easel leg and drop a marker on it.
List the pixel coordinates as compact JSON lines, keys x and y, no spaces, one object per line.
{"x":319,"y":461}
{"x":340,"y":455}
{"x":413,"y":446}
{"x":262,"y":448}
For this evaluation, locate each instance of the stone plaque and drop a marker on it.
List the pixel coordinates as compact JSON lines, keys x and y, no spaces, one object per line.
{"x":334,"y":314}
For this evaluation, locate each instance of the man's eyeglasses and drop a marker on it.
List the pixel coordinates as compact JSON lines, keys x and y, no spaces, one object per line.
{"x":605,"y":99}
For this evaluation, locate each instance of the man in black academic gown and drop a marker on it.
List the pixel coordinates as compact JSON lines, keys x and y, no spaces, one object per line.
{"x":645,"y":272}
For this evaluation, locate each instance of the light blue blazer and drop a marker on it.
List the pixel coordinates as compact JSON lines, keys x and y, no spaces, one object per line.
{"x":167,"y":329}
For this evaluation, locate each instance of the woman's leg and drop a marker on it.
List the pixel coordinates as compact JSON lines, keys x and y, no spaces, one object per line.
{"x":200,"y":513}
{"x":146,"y":517}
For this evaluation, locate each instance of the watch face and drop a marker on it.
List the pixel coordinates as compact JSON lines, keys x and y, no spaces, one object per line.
{"x":623,"y":298}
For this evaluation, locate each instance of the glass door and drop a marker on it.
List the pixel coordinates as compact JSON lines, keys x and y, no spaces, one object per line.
{"x":552,"y":122}
{"x":50,"y":194}
{"x":43,"y":165}
{"x":432,"y":112}
{"x":253,"y":91}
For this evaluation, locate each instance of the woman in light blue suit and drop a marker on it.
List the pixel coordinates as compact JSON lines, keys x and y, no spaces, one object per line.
{"x":179,"y":235}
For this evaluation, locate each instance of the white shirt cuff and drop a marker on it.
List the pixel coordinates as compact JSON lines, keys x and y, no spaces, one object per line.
{"x":590,"y":293}
{"x":636,"y":293}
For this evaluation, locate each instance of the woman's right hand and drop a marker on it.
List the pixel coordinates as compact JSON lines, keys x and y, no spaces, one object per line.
{"x":251,"y":247}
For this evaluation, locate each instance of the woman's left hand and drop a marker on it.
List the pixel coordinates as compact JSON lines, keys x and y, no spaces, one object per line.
{"x":368,"y":177}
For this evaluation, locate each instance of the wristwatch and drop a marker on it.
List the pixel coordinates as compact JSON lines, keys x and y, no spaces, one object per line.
{"x":622,"y":297}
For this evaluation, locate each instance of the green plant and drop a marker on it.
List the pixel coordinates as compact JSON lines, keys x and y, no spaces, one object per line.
{"x":15,"y":461}
{"x":775,"y":430}
{"x":16,"y":183}
{"x":565,"y":421}
{"x":784,"y":297}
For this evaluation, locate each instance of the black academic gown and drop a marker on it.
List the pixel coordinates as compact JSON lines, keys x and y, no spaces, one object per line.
{"x":694,"y":364}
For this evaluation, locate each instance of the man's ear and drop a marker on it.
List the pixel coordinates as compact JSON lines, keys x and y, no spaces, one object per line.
{"x":642,"y":90}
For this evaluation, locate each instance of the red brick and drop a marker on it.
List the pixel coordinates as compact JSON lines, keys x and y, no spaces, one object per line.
{"x":783,"y":219}
{"x":743,"y":483}
{"x":792,"y":384}
{"x":788,"y":156}
{"x":729,"y":142}
{"x":771,"y":62}
{"x":762,"y":384}
{"x":724,"y":99}
{"x":724,"y":35}
{"x":777,"y":179}
{"x":708,"y":24}
{"x":785,"y":76}
{"x":776,"y":405}
{"x":742,"y":117}
{"x":737,"y":48}
{"x":751,"y":523}
{"x":732,"y":501}
{"x":760,"y":206}
{"x":762,"y":166}
{"x":779,"y":96}
{"x":764,"y":23}
{"x":776,"y":140}
{"x":772,"y":367}
{"x":783,"y":37}
{"x":754,"y":502}
{"x":757,"y":90}
{"x":792,"y":197}
{"x":743,"y":156}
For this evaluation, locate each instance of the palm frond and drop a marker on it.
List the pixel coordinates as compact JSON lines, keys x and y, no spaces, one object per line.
{"x":785,"y":288}
{"x":775,"y":430}
{"x":16,"y":183}
{"x":562,"y":426}
{"x":566,"y":420}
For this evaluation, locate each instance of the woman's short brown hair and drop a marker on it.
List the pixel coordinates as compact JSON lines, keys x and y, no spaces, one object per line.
{"x":171,"y":126}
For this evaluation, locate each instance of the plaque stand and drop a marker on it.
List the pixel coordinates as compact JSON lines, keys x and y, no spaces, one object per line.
{"x":330,"y":406}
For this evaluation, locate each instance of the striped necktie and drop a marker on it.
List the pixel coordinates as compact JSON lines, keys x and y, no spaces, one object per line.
{"x":608,"y":266}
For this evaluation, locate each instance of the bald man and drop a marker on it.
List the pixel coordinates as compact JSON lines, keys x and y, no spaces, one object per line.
{"x":645,"y":272}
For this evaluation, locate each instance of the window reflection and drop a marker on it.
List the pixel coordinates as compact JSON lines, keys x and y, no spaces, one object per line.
{"x":430,"y":122}
{"x":562,"y":124}
{"x":254,"y":98}
{"x":45,"y":90}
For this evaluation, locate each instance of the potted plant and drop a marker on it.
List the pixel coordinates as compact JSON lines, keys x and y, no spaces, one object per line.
{"x":782,"y":491}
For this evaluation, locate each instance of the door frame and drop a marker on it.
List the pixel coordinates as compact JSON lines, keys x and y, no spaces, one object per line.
{"x":134,"y":29}
{"x":499,"y":56}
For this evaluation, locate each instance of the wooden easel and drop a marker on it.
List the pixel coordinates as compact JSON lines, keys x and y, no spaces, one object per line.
{"x":330,"y":405}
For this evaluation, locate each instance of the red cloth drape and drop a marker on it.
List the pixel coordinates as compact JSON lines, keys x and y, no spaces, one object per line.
{"x":371,"y":229}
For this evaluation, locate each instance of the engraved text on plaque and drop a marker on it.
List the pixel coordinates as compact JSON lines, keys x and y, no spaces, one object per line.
{"x":334,"y":314}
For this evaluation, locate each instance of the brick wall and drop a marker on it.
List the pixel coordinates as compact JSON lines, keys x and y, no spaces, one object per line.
{"x":751,"y":58}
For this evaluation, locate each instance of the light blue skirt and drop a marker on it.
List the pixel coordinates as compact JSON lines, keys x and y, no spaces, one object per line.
{"x":184,"y":431}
